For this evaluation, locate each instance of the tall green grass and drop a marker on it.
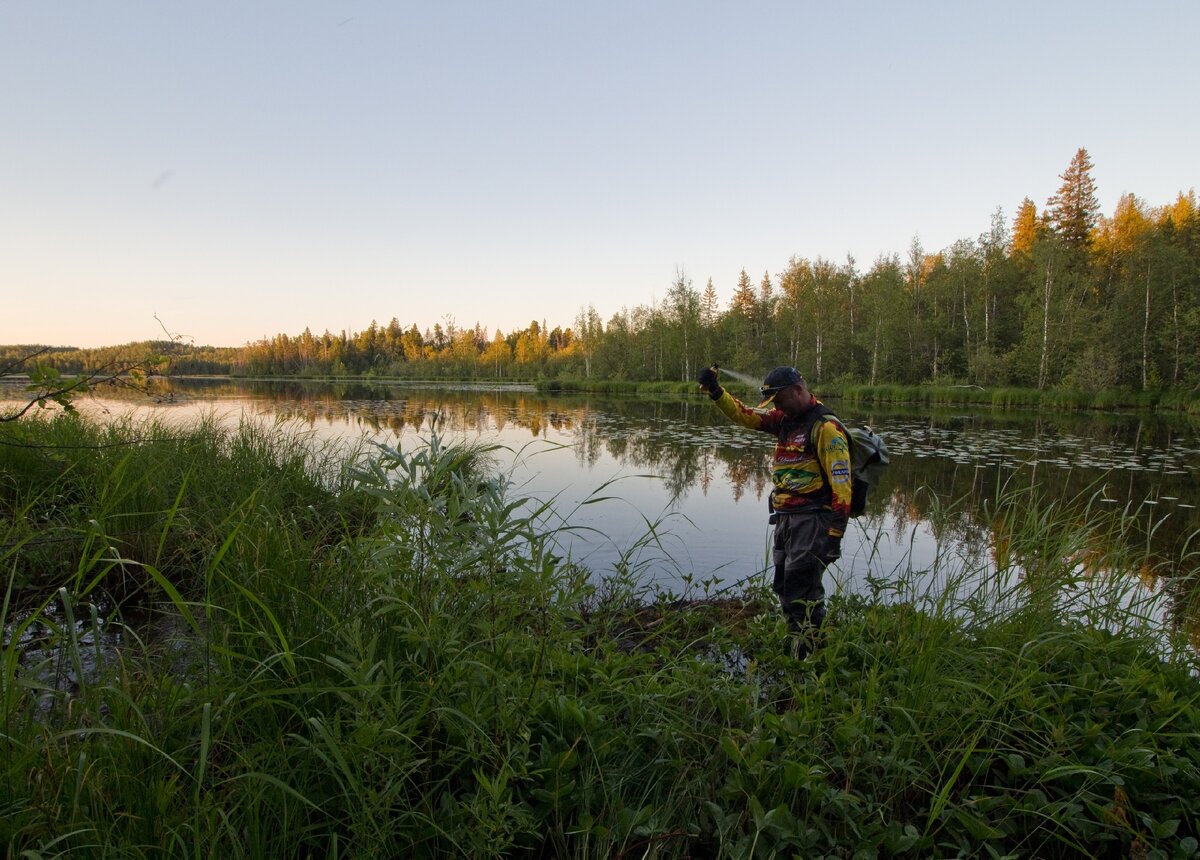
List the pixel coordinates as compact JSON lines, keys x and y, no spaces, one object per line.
{"x":114,"y":498}
{"x":397,"y":658}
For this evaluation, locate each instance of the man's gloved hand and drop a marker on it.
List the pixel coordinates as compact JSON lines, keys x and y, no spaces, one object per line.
{"x":708,"y":382}
{"x":832,"y":550}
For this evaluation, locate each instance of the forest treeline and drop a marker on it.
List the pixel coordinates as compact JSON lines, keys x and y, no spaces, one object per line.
{"x":1061,"y":296}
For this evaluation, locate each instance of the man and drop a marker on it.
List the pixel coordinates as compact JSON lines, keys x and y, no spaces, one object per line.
{"x":810,"y":502}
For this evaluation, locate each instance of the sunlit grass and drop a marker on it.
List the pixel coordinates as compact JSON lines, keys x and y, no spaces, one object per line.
{"x":241,"y":648}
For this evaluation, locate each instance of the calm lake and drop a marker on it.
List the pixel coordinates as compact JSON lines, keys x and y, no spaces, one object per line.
{"x":671,"y":490}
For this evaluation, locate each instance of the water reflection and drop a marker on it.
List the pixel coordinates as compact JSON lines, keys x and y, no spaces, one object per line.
{"x":703,"y":482}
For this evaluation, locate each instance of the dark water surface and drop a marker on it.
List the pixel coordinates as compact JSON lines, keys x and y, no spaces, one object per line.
{"x":685,"y":491}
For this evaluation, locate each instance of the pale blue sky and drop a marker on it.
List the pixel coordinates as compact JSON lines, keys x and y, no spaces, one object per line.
{"x":242,"y":169}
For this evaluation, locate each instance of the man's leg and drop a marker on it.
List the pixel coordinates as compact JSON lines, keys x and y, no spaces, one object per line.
{"x":798,"y":576}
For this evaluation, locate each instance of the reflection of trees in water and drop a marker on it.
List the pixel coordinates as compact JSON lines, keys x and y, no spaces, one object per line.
{"x":947,"y":468}
{"x":662,"y":440}
{"x":1134,"y":461}
{"x":474,"y":413}
{"x":1104,"y":477}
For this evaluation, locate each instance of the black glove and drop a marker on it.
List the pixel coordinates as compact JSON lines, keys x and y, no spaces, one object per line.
{"x":832,"y":550}
{"x":708,"y":382}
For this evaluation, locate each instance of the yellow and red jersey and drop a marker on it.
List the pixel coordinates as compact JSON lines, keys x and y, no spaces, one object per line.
{"x":799,"y":479}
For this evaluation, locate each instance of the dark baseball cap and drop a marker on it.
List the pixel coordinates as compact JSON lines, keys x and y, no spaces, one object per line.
{"x":777,"y":380}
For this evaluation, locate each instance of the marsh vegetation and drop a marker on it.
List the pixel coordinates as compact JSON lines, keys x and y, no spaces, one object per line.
{"x":246,"y":642}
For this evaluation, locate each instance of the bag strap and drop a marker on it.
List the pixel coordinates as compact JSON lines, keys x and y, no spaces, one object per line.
{"x":813,"y":419}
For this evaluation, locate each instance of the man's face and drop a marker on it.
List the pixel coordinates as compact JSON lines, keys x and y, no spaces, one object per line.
{"x":793,"y":400}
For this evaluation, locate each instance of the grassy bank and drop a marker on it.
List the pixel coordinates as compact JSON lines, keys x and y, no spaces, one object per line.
{"x":629,"y":387}
{"x":1020,"y":398}
{"x":924,"y":395}
{"x":219,"y":643}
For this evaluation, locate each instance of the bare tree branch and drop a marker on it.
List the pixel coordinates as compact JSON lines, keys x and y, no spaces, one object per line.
{"x":48,"y":385}
{"x":12,"y":368}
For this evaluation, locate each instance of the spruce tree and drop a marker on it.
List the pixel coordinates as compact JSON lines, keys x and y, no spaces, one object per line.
{"x":743,"y":301}
{"x":708,"y":306}
{"x":1074,"y":210}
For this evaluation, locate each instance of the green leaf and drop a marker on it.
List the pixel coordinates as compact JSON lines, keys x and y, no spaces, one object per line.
{"x":1162,"y":829}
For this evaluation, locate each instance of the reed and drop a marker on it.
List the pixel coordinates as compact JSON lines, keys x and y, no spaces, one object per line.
{"x":105,"y":500}
{"x":398,"y":658}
